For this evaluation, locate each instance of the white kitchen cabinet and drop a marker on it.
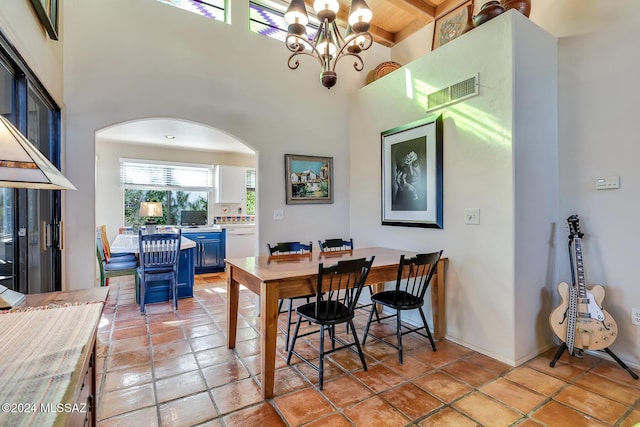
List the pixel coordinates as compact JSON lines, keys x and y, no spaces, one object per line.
{"x":230,"y":184}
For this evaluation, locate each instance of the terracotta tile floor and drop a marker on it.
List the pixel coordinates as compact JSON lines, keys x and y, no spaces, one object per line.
{"x":173,"y":369}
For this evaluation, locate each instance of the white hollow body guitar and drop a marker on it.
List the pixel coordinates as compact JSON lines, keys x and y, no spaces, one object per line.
{"x":579,"y":320}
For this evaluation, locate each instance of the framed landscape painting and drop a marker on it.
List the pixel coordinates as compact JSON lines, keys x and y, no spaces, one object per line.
{"x":412,"y":174}
{"x":308,"y":179}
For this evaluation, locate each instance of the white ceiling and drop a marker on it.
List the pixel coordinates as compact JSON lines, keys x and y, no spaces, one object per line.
{"x":188,"y":135}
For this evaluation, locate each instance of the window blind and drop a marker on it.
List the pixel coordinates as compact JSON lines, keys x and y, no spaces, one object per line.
{"x":166,"y":176}
{"x":250,"y":178}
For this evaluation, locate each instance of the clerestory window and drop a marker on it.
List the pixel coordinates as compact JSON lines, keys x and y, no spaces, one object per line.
{"x":213,"y":9}
{"x":267,"y":18}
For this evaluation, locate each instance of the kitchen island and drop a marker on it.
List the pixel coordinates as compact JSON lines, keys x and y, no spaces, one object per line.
{"x":158,"y":291}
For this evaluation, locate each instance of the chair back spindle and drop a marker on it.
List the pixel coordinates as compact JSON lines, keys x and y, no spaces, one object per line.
{"x":334,"y":304}
{"x":335,"y":245}
{"x":100,"y":247}
{"x":335,"y":284}
{"x":290,"y":248}
{"x":414,"y":275}
{"x":117,"y":266}
{"x":159,"y":255}
{"x":159,"y":250}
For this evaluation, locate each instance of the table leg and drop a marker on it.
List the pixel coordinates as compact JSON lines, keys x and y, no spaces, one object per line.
{"x":233,"y":293}
{"x":269,"y":334}
{"x":375,"y":288}
{"x":437,"y":302}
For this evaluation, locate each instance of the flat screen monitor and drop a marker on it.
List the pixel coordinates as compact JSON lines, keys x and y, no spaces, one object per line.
{"x":193,"y":218}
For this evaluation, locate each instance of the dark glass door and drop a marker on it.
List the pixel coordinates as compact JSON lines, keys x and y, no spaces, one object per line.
{"x":42,"y":245}
{"x":6,"y":238}
{"x":30,"y":258}
{"x":7,"y":208}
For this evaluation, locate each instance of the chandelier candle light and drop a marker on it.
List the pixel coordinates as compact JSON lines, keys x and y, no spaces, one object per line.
{"x":328,"y":46}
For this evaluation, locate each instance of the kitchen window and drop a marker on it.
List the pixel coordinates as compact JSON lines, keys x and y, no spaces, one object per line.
{"x":250,"y":184}
{"x":177,"y":186}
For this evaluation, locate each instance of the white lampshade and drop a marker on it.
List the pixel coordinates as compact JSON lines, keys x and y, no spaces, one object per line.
{"x":322,"y":47}
{"x":150,"y":209}
{"x":23,"y":166}
{"x":359,"y":12}
{"x":323,"y":42}
{"x":296,"y":13}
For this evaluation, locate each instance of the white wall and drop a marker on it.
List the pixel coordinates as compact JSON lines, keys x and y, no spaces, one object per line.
{"x":485,"y":140}
{"x":124,"y":61}
{"x":596,"y":132}
{"x":598,"y":137}
{"x":19,"y":22}
{"x":535,"y":178}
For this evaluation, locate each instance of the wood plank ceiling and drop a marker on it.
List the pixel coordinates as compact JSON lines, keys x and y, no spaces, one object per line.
{"x":395,"y":20}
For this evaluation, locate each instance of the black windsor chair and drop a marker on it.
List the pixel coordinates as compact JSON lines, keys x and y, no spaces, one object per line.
{"x":330,"y":246}
{"x":414,"y":275}
{"x":333,"y":305}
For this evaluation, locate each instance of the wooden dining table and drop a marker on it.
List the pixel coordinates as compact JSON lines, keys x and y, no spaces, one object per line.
{"x":274,"y":278}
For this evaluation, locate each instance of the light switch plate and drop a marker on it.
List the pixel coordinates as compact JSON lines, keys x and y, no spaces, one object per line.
{"x":607,"y":182}
{"x":472,"y":216}
{"x":278,"y":215}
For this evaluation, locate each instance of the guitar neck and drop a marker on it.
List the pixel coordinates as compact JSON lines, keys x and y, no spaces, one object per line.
{"x":582,"y":289}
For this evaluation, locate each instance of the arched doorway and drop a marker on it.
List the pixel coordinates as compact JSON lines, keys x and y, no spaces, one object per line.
{"x":164,"y":142}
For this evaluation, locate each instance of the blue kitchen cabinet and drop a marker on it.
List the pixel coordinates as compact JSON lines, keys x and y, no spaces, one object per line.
{"x":160,"y":290}
{"x":209,"y":251}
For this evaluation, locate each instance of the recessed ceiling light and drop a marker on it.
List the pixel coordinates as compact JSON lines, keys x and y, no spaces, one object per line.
{"x":170,"y":137}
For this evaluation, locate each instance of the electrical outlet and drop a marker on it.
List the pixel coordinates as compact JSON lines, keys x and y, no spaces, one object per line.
{"x":635,"y":316}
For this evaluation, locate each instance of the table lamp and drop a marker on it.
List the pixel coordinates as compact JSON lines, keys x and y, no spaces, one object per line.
{"x":151,"y":210}
{"x":22,"y":165}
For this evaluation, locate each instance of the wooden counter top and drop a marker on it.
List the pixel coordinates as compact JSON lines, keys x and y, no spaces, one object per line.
{"x":46,"y":367}
{"x":47,"y":359}
{"x":70,"y":297}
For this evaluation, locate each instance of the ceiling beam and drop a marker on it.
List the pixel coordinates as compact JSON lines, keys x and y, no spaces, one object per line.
{"x":425,"y":8}
{"x":410,"y":29}
{"x":381,"y":36}
{"x":447,"y":6}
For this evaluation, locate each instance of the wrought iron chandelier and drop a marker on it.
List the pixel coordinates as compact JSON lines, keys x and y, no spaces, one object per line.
{"x":328,"y":45}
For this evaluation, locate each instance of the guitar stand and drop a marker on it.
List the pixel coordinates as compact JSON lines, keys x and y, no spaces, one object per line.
{"x":563,"y":347}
